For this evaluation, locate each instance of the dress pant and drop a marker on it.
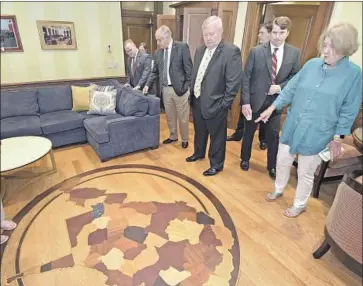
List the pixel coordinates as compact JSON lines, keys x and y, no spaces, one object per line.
{"x":2,"y":214}
{"x":272,"y":129}
{"x":176,"y":110}
{"x":241,"y":128}
{"x":306,"y":171}
{"x":217,"y":128}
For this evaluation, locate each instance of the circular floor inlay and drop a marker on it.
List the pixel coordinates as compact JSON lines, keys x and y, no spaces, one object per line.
{"x":123,"y":225}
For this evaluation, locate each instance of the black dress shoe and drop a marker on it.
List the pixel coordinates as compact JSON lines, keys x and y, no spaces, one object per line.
{"x":212,"y":171}
{"x":245,"y":165}
{"x":193,"y":158}
{"x":272,"y":173}
{"x":168,"y":141}
{"x":234,"y":137}
{"x":263,"y":145}
{"x":185,"y":145}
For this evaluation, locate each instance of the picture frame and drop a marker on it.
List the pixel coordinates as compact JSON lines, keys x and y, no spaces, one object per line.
{"x":10,"y":40}
{"x":57,"y":35}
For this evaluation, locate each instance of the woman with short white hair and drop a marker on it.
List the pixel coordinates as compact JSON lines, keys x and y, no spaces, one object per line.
{"x":324,"y":99}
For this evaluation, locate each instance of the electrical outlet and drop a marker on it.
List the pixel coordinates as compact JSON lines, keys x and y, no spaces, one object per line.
{"x":110,"y":64}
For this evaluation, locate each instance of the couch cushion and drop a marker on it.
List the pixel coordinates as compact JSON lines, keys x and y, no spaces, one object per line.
{"x":20,"y":126}
{"x":87,"y":116}
{"x":133,"y":103}
{"x":96,"y":128}
{"x":54,"y":98}
{"x":19,"y":103}
{"x":58,"y":121}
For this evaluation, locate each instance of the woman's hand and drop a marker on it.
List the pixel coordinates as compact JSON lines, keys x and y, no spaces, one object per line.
{"x":264,"y":116}
{"x":335,"y":148}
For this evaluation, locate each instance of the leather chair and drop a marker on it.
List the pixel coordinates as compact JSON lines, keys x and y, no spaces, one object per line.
{"x":343,"y":227}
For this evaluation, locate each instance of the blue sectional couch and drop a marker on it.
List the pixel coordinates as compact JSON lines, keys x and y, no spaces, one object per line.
{"x":47,"y":111}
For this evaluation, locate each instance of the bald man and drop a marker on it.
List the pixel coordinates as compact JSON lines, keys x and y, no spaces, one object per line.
{"x":216,"y":79}
{"x":173,"y":68}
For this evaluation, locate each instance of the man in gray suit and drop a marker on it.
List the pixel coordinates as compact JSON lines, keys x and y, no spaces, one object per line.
{"x":268,"y":69}
{"x":138,"y":66}
{"x":216,"y":79}
{"x":173,"y":68}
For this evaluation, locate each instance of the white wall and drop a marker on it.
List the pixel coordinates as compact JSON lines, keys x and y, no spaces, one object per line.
{"x":350,"y":12}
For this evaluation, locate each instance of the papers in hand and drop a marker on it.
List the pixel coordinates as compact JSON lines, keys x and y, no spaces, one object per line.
{"x":325,"y":154}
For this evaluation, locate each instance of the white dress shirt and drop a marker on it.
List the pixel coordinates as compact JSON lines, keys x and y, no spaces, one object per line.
{"x":169,"y":53}
{"x":279,"y":55}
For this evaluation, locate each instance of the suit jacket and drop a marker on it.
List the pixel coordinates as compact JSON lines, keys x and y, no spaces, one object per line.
{"x":142,"y":70}
{"x":256,"y":78}
{"x":221,"y":81}
{"x":180,"y":68}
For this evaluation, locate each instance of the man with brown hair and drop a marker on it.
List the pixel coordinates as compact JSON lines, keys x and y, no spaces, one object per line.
{"x":268,"y":69}
{"x":138,"y":66}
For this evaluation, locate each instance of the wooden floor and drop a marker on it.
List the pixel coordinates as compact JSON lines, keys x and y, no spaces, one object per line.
{"x":274,"y":250}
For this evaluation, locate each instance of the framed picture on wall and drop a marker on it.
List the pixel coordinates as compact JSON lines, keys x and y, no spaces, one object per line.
{"x":9,"y":35}
{"x":57,"y":35}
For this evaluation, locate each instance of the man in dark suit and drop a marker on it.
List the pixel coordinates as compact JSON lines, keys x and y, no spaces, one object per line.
{"x":173,"y":68}
{"x":138,"y":66}
{"x":216,"y":79}
{"x":264,"y":35}
{"x":268,"y":69}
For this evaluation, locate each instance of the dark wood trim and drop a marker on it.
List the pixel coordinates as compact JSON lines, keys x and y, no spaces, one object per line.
{"x":7,"y":86}
{"x":181,"y":3}
{"x":137,"y":14}
{"x":17,"y":35}
{"x":342,"y":256}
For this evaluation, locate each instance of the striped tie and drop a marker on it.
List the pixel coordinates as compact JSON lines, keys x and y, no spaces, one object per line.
{"x":274,"y":66}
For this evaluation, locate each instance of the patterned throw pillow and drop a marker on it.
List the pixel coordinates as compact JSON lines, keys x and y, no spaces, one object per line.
{"x":104,"y":87}
{"x":102,"y":102}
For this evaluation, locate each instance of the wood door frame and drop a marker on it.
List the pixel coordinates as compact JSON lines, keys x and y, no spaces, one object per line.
{"x":252,"y":25}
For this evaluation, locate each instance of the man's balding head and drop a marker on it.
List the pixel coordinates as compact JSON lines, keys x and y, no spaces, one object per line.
{"x":163,"y":36}
{"x":212,"y":31}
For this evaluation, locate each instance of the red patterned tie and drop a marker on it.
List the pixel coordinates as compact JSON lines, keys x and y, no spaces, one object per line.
{"x":274,"y":66}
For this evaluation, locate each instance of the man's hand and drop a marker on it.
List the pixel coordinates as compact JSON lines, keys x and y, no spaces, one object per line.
{"x":274,"y":89}
{"x":127,"y":85}
{"x":264,"y":116}
{"x":247,"y":111}
{"x":136,"y":87}
{"x":145,"y":90}
{"x":335,"y":148}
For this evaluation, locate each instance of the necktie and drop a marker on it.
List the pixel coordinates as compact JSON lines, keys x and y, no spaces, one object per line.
{"x":201,"y":71}
{"x":274,"y":66}
{"x":133,"y":66}
{"x":165,"y":68}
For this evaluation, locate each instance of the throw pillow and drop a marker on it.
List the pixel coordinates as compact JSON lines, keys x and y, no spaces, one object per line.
{"x":102,"y":102}
{"x":133,"y":103}
{"x":104,"y":87}
{"x":80,"y":97}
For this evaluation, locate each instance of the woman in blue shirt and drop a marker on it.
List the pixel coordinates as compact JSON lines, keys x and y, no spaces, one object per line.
{"x":324,"y":99}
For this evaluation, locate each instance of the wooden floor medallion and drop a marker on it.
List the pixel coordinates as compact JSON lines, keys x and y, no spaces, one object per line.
{"x":123,"y":225}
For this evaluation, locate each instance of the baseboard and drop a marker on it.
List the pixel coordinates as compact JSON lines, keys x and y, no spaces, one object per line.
{"x":17,"y":85}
